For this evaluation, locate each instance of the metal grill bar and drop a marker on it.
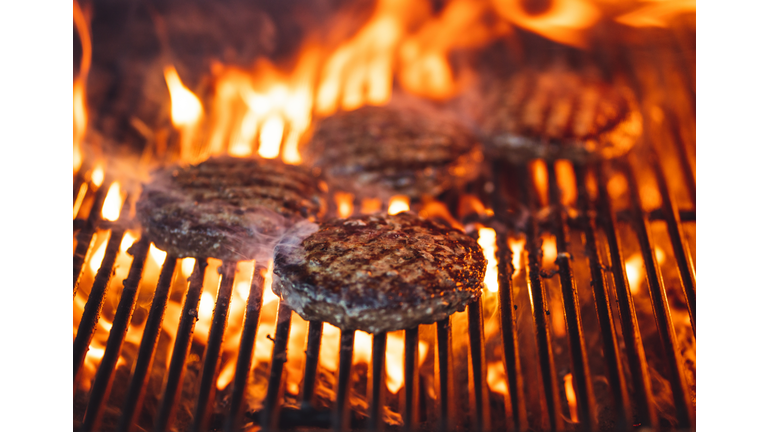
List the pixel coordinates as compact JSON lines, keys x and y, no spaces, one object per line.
{"x":679,"y":245}
{"x":148,"y":346}
{"x":269,"y":415}
{"x":481,"y":413}
{"x":660,"y":305}
{"x":85,"y":235}
{"x":102,"y":383}
{"x":314,"y":337}
{"x":538,"y":297}
{"x":603,"y":306}
{"x":633,"y":343}
{"x":378,"y":375}
{"x":581,"y":375}
{"x":181,"y":347}
{"x":212,"y":356}
{"x":340,"y":414}
{"x":411,"y":406}
{"x":245,"y":354}
{"x":444,"y":373}
{"x":509,"y":340}
{"x":92,"y":309}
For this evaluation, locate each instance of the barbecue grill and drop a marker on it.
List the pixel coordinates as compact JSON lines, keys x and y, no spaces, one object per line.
{"x":603,"y":372}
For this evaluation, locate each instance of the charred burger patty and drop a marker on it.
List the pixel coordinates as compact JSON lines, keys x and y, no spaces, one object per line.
{"x":226,"y":208}
{"x":378,"y":152}
{"x":380,"y":273}
{"x":555,"y":114}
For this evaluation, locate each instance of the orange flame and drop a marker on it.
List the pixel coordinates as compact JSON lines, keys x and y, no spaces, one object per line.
{"x":344,"y":204}
{"x":112,"y":203}
{"x":487,"y":241}
{"x":186,"y":108}
{"x":97,"y":177}
{"x":359,"y":71}
{"x":157,"y":255}
{"x":425,"y":69}
{"x":398,"y":204}
{"x":80,"y":111}
{"x":497,"y":378}
{"x":186,"y":111}
{"x":657,"y":13}
{"x":635,"y":269}
{"x":564,"y":21}
{"x":570,"y":395}
{"x":370,"y":205}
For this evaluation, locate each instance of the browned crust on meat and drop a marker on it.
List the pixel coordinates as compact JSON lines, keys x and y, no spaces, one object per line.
{"x":560,"y":114}
{"x":400,"y":149}
{"x":227,"y":208}
{"x":380,"y":273}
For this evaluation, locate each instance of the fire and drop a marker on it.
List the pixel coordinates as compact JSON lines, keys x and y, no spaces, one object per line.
{"x":186,"y":108}
{"x":157,"y":255}
{"x":112,"y":203}
{"x":344,"y":204}
{"x":370,"y":205}
{"x":79,"y":200}
{"x":363,"y":347}
{"x":566,"y":182}
{"x":186,"y":111}
{"x":80,"y":111}
{"x":570,"y":395}
{"x":398,"y":204}
{"x":497,"y":378}
{"x":359,"y":71}
{"x":269,"y":139}
{"x":187,"y":266}
{"x":127,"y":241}
{"x":564,"y":21}
{"x":487,"y":241}
{"x":98,"y":256}
{"x":540,"y":179}
{"x":97,"y":177}
{"x":425,"y":68}
{"x":635,"y":269}
{"x":269,"y":104}
{"x":549,"y":249}
{"x":395,"y":352}
{"x":657,"y":13}
{"x":517,"y":247}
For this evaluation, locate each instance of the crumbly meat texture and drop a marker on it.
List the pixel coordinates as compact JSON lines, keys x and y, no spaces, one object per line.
{"x":380,"y":273}
{"x":559,"y":114}
{"x":399,"y":149}
{"x":227,"y":208}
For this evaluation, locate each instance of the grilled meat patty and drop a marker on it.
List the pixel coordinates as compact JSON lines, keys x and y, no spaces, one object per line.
{"x":399,"y":149}
{"x":556,"y":114}
{"x":227,"y":208}
{"x":380,"y":273}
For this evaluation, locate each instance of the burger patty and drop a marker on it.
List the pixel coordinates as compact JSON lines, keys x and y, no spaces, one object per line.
{"x":555,"y":114}
{"x":380,"y":273}
{"x":378,"y":152}
{"x":227,"y":208}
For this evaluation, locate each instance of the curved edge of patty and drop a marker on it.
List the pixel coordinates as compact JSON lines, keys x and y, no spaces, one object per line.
{"x":380,"y":273}
{"x":227,"y":208}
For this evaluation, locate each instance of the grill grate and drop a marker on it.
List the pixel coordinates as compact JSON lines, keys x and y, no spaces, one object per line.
{"x":455,"y":400}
